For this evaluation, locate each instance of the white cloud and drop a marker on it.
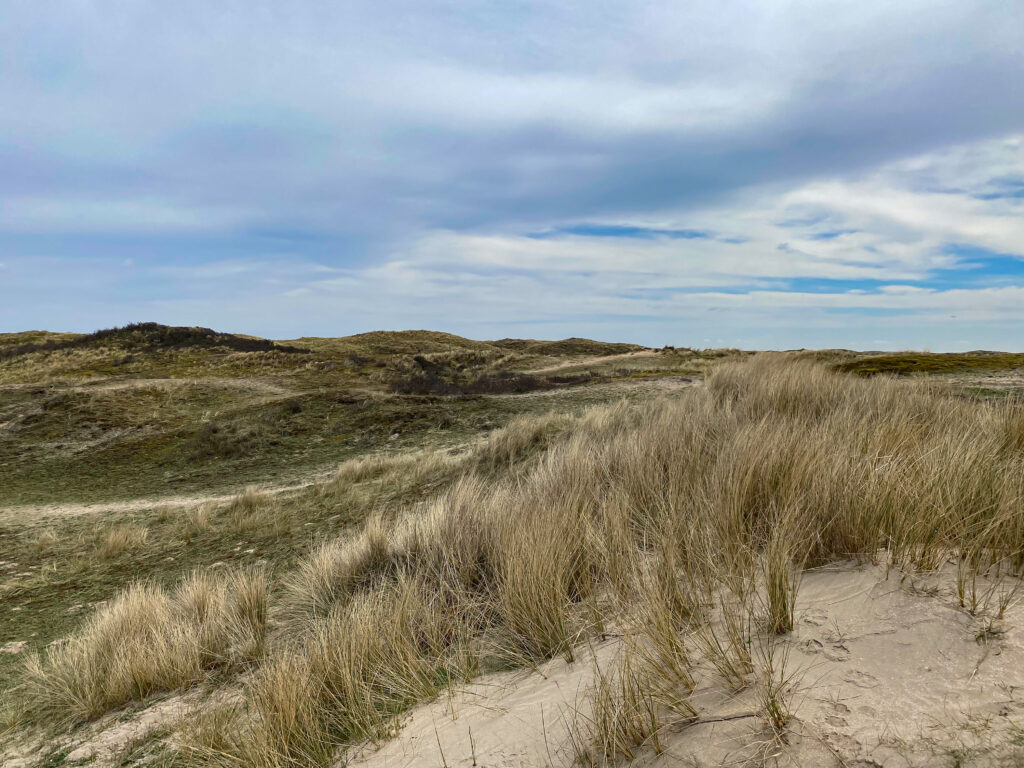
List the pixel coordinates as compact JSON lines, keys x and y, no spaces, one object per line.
{"x":887,"y":228}
{"x":882,"y":227}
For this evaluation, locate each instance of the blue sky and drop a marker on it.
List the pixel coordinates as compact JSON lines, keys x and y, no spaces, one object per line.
{"x":760,"y":174}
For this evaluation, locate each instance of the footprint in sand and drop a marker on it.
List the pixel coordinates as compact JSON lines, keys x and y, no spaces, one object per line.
{"x":839,"y":708}
{"x":831,"y":651}
{"x":836,"y":652}
{"x":815,"y":617}
{"x":843,"y":744}
{"x":861,"y":679}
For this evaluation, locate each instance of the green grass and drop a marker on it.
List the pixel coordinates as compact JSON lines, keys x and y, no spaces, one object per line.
{"x":566,"y":347}
{"x":391,"y":343}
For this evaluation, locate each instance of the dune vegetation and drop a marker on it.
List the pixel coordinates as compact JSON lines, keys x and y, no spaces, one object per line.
{"x":681,"y":524}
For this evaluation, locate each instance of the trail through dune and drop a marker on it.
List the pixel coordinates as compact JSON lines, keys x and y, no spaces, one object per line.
{"x":29,"y":513}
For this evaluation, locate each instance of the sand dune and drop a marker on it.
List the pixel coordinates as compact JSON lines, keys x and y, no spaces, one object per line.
{"x":885,"y":670}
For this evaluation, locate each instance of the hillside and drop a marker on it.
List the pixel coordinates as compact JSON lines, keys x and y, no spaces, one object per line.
{"x":139,"y":337}
{"x":34,"y":338}
{"x":151,"y":410}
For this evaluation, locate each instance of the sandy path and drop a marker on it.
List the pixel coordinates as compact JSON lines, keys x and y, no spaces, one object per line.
{"x":594,"y":360}
{"x":27,"y":514}
{"x":254,"y":384}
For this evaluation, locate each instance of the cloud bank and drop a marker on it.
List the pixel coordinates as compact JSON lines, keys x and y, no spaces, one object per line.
{"x":759,"y":174}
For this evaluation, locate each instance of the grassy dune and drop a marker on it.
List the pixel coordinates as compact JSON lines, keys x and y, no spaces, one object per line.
{"x":682,"y":523}
{"x":152,"y":410}
{"x":906,"y":364}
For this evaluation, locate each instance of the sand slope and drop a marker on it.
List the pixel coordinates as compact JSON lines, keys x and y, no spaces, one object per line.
{"x":886,"y":671}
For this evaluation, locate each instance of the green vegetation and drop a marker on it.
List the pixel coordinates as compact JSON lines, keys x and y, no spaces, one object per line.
{"x":152,"y":411}
{"x":906,"y":364}
{"x":566,"y":347}
{"x":143,"y":336}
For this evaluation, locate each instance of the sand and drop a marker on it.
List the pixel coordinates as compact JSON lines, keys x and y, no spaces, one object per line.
{"x":885,"y":670}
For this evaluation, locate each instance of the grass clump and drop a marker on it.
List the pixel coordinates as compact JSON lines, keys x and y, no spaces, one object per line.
{"x":46,"y":540}
{"x":117,"y":540}
{"x":520,"y":439}
{"x":344,"y":682}
{"x":150,"y":639}
{"x":780,"y":585}
{"x":623,"y":716}
{"x":776,"y":688}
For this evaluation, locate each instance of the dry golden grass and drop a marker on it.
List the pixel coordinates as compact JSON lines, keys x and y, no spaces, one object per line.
{"x":623,"y":715}
{"x":150,"y":639}
{"x":198,"y":519}
{"x":520,"y":439}
{"x":251,"y":510}
{"x":119,"y":539}
{"x":46,"y":540}
{"x":397,"y":473}
{"x":354,"y":670}
{"x":687,"y":520}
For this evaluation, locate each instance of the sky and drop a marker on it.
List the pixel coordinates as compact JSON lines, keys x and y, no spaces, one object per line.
{"x":773,"y":174}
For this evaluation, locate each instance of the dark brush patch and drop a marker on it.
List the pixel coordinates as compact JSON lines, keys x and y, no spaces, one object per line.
{"x":154,"y":336}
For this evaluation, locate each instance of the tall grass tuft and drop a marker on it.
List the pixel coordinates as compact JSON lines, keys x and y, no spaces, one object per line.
{"x":150,"y":639}
{"x":116,"y":540}
{"x":623,"y":716}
